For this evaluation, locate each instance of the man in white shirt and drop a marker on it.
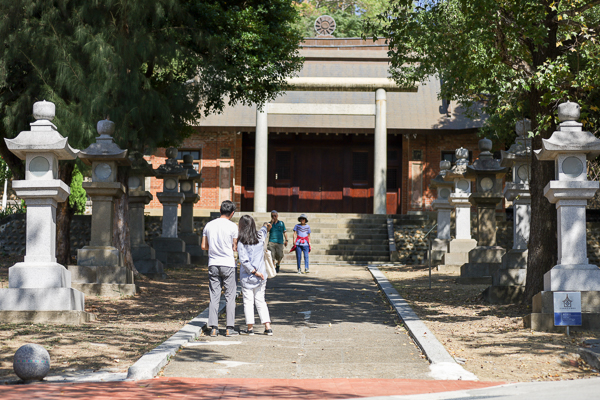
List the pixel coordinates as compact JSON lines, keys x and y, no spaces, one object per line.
{"x":219,"y":237}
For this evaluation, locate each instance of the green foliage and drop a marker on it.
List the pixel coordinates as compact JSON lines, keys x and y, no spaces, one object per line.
{"x":18,"y":208}
{"x":349,"y":15}
{"x":154,"y":67}
{"x":509,"y":59}
{"x":78,"y":196}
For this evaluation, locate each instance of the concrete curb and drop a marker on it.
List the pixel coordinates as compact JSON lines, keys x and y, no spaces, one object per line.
{"x":443,"y":365}
{"x":151,"y":363}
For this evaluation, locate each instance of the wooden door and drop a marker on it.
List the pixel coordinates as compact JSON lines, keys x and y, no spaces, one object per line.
{"x":308,"y":177}
{"x":283,"y":172}
{"x":332,"y":183}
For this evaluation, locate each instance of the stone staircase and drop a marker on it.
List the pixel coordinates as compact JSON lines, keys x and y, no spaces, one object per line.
{"x":337,"y":238}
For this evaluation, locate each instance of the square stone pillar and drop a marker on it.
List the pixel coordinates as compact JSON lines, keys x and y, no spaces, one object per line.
{"x":486,"y":258}
{"x":170,"y":249}
{"x":187,"y":234}
{"x":439,"y":245}
{"x":570,"y":148}
{"x":144,"y":256}
{"x":508,"y":283}
{"x":39,"y":289}
{"x":459,"y":247}
{"x":100,"y":268}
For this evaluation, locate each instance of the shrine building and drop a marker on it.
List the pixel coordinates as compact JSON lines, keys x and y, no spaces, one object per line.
{"x":344,"y":139}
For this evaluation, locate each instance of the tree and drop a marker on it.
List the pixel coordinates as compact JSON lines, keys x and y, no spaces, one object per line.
{"x":349,"y":15}
{"x":154,"y":67}
{"x":507,"y":59}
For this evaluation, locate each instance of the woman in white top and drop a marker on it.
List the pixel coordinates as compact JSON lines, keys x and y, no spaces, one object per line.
{"x":253,"y":273}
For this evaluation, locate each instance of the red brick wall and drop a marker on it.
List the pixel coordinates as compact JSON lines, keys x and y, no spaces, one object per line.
{"x":431,"y":146}
{"x":210,"y":143}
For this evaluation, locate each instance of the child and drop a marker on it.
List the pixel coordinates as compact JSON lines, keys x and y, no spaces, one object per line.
{"x":302,"y":241}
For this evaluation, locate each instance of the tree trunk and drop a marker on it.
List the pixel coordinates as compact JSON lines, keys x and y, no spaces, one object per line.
{"x":64,"y":216}
{"x":121,"y":237}
{"x":542,"y":248}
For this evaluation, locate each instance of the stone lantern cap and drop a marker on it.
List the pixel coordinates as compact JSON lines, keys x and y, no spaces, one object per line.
{"x":193,"y":175}
{"x":171,"y":168}
{"x":486,"y":163}
{"x":439,"y":181}
{"x":520,"y":151}
{"x":139,"y":165}
{"x":460,"y":168}
{"x":105,"y":148}
{"x":569,"y":138}
{"x":43,"y":136}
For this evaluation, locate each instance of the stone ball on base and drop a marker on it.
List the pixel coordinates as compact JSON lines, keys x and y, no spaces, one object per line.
{"x":31,"y":362}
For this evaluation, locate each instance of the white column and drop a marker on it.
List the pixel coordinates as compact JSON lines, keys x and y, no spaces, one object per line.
{"x":261,"y":151}
{"x":521,"y":223}
{"x":380,"y":180}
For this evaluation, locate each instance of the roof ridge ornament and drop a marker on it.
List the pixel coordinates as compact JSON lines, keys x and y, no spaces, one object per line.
{"x":325,"y":25}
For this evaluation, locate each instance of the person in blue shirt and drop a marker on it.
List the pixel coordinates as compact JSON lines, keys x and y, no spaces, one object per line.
{"x":302,"y":242}
{"x":277,"y":239}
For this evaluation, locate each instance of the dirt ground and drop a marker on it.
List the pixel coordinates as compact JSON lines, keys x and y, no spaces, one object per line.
{"x":125,"y":328}
{"x":490,"y":339}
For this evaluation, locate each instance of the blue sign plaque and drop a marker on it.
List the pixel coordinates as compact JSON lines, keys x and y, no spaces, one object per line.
{"x":567,"y":308}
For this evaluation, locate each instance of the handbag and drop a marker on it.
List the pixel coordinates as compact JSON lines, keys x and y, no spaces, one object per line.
{"x":270,"y":266}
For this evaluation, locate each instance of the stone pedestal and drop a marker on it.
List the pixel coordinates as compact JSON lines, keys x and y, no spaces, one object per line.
{"x":508,"y":283}
{"x":144,"y":256}
{"x":39,"y":289}
{"x":439,"y":245}
{"x":459,"y":247}
{"x":187,"y":234}
{"x":100,"y":269}
{"x":569,"y":148}
{"x":170,"y":249}
{"x":486,"y":258}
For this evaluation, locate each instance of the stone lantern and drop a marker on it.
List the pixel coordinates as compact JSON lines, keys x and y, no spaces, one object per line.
{"x":100,"y":266}
{"x":170,"y":249}
{"x":439,"y":246}
{"x":459,"y":247}
{"x":189,"y":188}
{"x":570,"y":148}
{"x":144,"y":256}
{"x":486,"y":258}
{"x":509,"y":281}
{"x":39,"y":289}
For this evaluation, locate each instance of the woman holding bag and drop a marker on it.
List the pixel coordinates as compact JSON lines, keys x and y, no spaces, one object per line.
{"x":253,"y":273}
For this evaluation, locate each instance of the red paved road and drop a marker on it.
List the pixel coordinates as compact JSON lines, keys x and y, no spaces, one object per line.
{"x":231,"y":389}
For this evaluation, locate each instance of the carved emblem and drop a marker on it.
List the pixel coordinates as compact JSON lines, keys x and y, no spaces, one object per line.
{"x":324,"y":25}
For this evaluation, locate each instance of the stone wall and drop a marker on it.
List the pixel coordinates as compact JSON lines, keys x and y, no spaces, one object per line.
{"x":12,"y":232}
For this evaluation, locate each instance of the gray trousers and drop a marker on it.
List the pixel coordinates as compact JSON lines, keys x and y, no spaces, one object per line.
{"x":219,"y":276}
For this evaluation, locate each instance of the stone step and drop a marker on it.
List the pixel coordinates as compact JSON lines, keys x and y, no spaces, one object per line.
{"x":359,"y":246}
{"x":355,"y":236}
{"x":320,"y":258}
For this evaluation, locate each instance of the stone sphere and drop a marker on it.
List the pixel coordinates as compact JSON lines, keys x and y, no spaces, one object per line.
{"x":105,"y":127}
{"x":522,"y":127}
{"x":188,"y":159}
{"x":31,"y":362}
{"x":44,"y":110}
{"x":445,"y":165}
{"x":462,"y":153}
{"x":485,"y":144}
{"x":568,"y":111}
{"x":171,"y":152}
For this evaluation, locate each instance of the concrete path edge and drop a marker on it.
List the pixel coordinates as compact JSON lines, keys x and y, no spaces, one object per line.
{"x":151,"y":363}
{"x":443,"y":365}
